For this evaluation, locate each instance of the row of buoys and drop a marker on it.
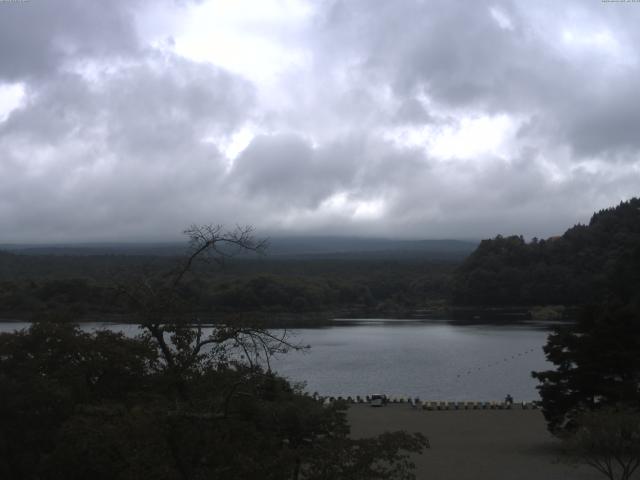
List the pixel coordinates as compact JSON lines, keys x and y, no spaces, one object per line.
{"x":479,"y":405}
{"x":365,"y":399}
{"x":432,"y":405}
{"x":496,"y":363}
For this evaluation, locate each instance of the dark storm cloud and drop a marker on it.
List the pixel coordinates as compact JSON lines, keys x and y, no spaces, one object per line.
{"x":287,"y":170}
{"x":411,"y":111}
{"x":458,"y":54}
{"x":607,"y":123}
{"x":38,"y":37}
{"x":126,"y":154}
{"x":454,"y":51}
{"x":387,"y":127}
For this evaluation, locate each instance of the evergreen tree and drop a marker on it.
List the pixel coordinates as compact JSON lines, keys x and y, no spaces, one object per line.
{"x":597,"y":364}
{"x":597,"y":359}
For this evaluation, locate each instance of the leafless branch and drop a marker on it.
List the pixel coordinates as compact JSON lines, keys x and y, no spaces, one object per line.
{"x":204,"y":239}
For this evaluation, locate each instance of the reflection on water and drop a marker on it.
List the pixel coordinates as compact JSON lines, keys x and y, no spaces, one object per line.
{"x":435,"y":360}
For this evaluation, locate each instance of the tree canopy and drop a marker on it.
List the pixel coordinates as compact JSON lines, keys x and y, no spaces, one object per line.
{"x":607,"y":440}
{"x":597,"y":363}
{"x":573,"y":269}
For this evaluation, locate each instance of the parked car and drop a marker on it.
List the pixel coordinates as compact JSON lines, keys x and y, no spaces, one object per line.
{"x":378,"y":400}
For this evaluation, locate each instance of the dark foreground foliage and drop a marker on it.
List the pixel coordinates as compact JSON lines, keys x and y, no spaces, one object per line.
{"x":75,"y":405}
{"x":607,"y":440}
{"x":597,"y":364}
{"x":176,"y":402}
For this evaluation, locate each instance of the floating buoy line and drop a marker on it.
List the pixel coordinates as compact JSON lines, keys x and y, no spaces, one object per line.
{"x":417,"y":403}
{"x":496,"y":363}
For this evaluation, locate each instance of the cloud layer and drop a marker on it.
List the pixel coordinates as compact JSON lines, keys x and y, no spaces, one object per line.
{"x":131,"y":120}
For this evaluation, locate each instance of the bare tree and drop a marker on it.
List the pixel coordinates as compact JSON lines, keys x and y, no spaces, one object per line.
{"x":163,"y":313}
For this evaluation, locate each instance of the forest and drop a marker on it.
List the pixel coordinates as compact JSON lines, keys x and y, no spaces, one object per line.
{"x":441,"y":278}
{"x":80,"y":285}
{"x":576,"y":268}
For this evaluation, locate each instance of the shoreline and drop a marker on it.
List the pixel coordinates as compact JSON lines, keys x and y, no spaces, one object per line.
{"x":440,"y":312}
{"x":303,"y":320}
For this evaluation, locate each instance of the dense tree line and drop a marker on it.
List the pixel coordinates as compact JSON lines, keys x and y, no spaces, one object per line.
{"x":573,"y":269}
{"x":48,"y":289}
{"x":384,"y":290}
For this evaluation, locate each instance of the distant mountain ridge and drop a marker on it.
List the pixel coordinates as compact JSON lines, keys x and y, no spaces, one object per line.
{"x":85,"y":249}
{"x":304,"y":246}
{"x":277,"y":247}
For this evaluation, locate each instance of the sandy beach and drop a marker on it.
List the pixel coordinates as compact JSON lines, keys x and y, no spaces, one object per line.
{"x":474,"y":444}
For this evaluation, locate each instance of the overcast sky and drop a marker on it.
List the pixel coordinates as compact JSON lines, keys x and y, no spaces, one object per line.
{"x":131,"y":119}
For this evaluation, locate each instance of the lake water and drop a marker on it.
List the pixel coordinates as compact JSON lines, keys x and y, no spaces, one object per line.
{"x":435,"y":360}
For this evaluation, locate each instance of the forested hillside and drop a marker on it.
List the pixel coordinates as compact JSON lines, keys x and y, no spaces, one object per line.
{"x":579,"y":267}
{"x":83,"y":286}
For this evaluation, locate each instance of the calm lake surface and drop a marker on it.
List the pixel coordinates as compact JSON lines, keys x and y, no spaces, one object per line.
{"x":435,"y":360}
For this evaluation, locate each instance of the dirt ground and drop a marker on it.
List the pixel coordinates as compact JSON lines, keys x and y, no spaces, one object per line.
{"x":474,"y":444}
